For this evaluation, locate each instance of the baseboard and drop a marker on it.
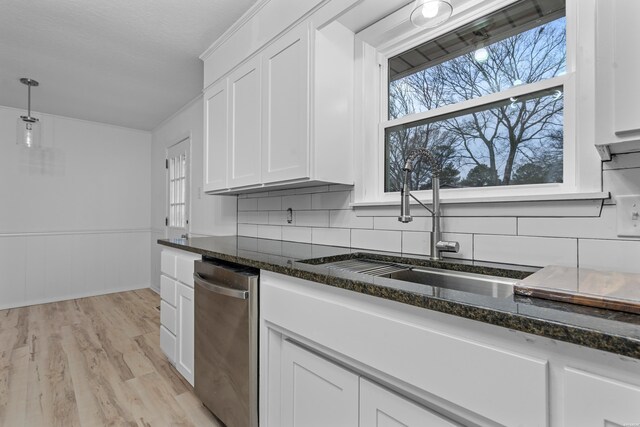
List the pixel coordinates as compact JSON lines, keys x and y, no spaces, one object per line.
{"x":76,"y":296}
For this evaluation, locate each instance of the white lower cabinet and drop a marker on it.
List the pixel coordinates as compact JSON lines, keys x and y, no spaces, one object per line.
{"x":380,"y":407}
{"x":464,"y":372}
{"x":316,"y":392}
{"x":185,"y":332}
{"x":168,"y":343}
{"x":595,"y":401}
{"x":177,"y":315}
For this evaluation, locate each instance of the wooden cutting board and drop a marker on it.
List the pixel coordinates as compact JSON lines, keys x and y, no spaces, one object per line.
{"x":603,"y":289}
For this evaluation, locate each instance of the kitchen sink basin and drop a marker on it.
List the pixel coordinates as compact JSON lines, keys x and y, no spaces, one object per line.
{"x":498,"y":287}
{"x":438,"y":278}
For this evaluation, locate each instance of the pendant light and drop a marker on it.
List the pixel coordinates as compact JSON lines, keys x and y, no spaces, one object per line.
{"x":28,"y":127}
{"x":431,"y":13}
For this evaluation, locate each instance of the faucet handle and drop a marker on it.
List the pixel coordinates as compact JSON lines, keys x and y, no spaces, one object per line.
{"x":446,"y":246}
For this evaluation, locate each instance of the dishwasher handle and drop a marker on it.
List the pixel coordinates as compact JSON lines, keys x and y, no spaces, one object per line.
{"x":219,"y":289}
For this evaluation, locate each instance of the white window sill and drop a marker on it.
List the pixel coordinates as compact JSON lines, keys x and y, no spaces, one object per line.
{"x":496,"y":199}
{"x":549,"y":205}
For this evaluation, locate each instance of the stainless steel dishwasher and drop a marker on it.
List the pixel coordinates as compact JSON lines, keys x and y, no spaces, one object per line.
{"x":226,"y":341}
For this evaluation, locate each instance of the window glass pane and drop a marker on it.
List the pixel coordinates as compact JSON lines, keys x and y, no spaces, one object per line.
{"x":516,"y":141}
{"x":183,"y":199}
{"x":521,"y":44}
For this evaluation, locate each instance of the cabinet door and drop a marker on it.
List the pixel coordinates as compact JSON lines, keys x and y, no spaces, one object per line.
{"x":185,"y":332}
{"x":285,"y":70}
{"x":216,"y":138}
{"x":245,"y":125}
{"x":595,"y":401}
{"x":316,"y":392}
{"x":380,"y":407}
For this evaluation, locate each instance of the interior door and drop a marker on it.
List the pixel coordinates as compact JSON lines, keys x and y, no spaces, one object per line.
{"x":178,"y":167}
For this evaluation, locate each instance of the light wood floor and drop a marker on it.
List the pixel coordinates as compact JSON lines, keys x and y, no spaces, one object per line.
{"x":91,"y":362}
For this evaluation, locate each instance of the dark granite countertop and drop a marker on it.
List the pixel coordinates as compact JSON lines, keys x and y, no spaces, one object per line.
{"x":611,"y":331}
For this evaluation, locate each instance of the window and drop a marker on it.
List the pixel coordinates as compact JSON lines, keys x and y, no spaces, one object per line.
{"x":177,"y":190}
{"x":487,"y":98}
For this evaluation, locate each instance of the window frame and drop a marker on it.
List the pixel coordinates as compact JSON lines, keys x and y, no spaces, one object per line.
{"x":394,"y":35}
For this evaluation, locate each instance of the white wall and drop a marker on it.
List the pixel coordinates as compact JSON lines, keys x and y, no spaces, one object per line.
{"x":74,"y":214}
{"x":209,"y":215}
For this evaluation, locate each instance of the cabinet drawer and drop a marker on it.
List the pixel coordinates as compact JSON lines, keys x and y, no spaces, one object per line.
{"x":168,"y":344}
{"x":168,"y":290}
{"x":168,"y":317}
{"x":168,"y":263}
{"x":185,"y":269}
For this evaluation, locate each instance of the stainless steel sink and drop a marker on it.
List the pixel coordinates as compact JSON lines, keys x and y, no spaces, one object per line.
{"x":458,"y":281}
{"x":439,"y":279}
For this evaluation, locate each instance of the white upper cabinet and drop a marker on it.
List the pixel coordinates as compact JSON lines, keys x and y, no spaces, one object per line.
{"x":289,"y":114}
{"x":285,"y":68}
{"x":215,"y":147}
{"x":244,"y":123}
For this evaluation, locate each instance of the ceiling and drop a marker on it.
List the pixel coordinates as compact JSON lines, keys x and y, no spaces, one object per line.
{"x":122,"y":62}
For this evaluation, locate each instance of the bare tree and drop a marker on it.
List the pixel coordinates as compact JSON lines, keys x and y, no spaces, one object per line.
{"x":499,"y":139}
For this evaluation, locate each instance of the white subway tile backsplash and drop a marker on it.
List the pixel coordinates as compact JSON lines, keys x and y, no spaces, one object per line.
{"x":247,"y":244}
{"x":335,"y":200}
{"x":392,"y":223}
{"x":270,"y":204}
{"x":416,"y":243}
{"x":534,"y":251}
{"x":479,"y":225}
{"x":347,"y":219}
{"x":298,"y":202}
{"x":610,"y":255}
{"x":603,"y":227}
{"x":527,"y":233}
{"x":466,"y":245}
{"x":311,"y":218}
{"x":257,"y":217}
{"x":331,"y":236}
{"x":270,"y":232}
{"x":271,"y":247}
{"x":296,"y":250}
{"x":278,"y":218}
{"x":296,"y":234}
{"x":248,"y":230}
{"x":378,"y":240}
{"x":247,"y":204}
